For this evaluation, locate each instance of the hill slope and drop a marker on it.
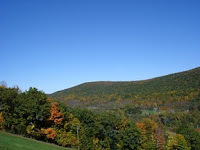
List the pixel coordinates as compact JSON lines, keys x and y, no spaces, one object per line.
{"x":183,"y":86}
{"x":14,"y":142}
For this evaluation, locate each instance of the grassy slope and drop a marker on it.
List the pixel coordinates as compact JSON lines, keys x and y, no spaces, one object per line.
{"x":14,"y":142}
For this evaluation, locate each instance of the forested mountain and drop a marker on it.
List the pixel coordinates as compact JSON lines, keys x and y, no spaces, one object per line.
{"x":174,"y":89}
{"x":158,"y":114}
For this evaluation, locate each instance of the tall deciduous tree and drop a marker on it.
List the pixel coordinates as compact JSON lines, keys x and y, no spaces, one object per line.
{"x":129,"y":137}
{"x":191,"y":136}
{"x":8,"y":103}
{"x":56,"y":116}
{"x":181,"y":142}
{"x":148,"y":130}
{"x":1,"y":120}
{"x":34,"y":106}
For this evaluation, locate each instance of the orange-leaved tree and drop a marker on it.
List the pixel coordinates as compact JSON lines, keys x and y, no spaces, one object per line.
{"x":160,"y":139}
{"x":1,"y":120}
{"x":50,"y":133}
{"x":148,"y":133}
{"x":56,"y":116}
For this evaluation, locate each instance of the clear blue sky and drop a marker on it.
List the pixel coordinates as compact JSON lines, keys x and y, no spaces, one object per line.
{"x":56,"y":44}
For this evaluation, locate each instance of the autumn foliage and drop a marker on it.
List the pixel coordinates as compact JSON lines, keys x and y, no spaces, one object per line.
{"x":56,"y":116}
{"x":160,"y":139}
{"x":50,"y":133}
{"x":31,"y":114}
{"x":198,"y":130}
{"x":1,"y":119}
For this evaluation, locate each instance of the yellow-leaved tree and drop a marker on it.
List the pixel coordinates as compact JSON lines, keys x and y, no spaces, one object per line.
{"x":1,"y":120}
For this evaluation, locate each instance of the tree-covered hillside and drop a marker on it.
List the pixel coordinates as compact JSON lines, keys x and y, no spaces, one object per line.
{"x":31,"y":114}
{"x":165,"y":90}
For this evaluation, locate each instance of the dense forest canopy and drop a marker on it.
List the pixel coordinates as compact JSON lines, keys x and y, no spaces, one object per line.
{"x":33,"y":115}
{"x":178,"y":88}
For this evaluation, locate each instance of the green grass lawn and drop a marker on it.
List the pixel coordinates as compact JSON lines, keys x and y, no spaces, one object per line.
{"x":148,"y":112}
{"x":14,"y":142}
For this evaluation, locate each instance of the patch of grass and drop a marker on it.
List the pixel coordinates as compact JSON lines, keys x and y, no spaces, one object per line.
{"x":148,"y":112}
{"x":14,"y":142}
